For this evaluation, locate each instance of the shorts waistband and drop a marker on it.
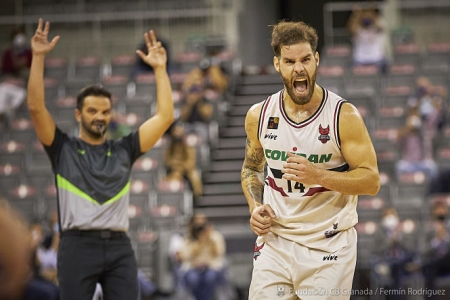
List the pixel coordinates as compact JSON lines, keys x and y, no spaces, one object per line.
{"x":101,"y":234}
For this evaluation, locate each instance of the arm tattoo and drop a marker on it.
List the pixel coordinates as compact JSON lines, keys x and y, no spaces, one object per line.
{"x":252,"y":175}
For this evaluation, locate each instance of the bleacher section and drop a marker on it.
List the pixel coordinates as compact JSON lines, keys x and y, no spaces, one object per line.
{"x":156,"y":212}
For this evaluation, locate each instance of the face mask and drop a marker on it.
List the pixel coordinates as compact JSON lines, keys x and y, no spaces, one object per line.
{"x":366,"y":22}
{"x":441,"y":217}
{"x":19,"y":40}
{"x":421,"y":91}
{"x":390,"y":222}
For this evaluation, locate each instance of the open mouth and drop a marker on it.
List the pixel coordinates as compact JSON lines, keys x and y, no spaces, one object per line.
{"x":301,"y":85}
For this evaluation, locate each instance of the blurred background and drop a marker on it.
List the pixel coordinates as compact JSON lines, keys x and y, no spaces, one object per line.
{"x":390,"y":58}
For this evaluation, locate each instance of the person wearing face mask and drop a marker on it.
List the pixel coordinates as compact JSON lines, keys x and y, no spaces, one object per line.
{"x":392,"y":252}
{"x":435,"y":258}
{"x":430,"y":101}
{"x":203,"y":258}
{"x":368,"y":38}
{"x":413,"y":156}
{"x":196,"y":111}
{"x":16,"y":62}
{"x":180,"y":159}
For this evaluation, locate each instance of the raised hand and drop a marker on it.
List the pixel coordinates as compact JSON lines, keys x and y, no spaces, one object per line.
{"x":157,"y":56}
{"x":39,"y":42}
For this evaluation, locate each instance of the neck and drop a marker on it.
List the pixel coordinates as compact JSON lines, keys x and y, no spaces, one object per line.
{"x":90,"y":139}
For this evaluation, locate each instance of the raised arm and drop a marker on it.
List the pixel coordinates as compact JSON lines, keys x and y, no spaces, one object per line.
{"x":357,"y":149}
{"x":153,"y":129}
{"x":42,"y":120}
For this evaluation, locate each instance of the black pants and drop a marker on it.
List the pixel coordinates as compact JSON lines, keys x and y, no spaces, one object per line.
{"x":85,"y":260}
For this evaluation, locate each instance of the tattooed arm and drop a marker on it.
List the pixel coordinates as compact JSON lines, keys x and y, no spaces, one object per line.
{"x":252,"y":175}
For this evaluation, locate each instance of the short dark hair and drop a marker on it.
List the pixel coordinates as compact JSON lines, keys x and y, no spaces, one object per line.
{"x":289,"y":33}
{"x":91,"y":90}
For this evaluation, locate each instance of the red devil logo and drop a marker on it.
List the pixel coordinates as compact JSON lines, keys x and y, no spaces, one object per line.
{"x":324,"y":134}
{"x":256,"y":250}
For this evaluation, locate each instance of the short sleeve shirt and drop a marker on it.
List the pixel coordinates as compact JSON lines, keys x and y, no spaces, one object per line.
{"x":93,"y":181}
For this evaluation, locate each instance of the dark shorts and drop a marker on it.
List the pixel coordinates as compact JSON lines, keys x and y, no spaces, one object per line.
{"x":84,"y":260}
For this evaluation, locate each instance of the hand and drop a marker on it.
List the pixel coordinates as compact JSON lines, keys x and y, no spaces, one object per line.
{"x":298,"y":168}
{"x":157,"y":56}
{"x":39,"y":42}
{"x":261,"y":219}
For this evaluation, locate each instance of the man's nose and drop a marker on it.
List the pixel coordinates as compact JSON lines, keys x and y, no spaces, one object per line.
{"x":100,"y":117}
{"x":299,"y":67}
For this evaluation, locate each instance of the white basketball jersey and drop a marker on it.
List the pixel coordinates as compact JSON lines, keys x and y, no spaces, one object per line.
{"x":310,"y":215}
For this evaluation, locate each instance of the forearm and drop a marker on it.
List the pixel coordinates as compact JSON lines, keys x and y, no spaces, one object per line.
{"x":361,"y":181}
{"x":252,"y":181}
{"x":164,"y":95}
{"x":36,"y":96}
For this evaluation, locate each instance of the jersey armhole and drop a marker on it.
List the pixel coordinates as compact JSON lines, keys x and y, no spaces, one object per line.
{"x":336,"y":125}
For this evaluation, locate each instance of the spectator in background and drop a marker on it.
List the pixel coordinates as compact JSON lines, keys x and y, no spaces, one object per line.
{"x":47,"y":252}
{"x":411,"y":144}
{"x":439,"y":184}
{"x":203,"y":258}
{"x":16,"y":62}
{"x":39,"y":287}
{"x":392,"y":252}
{"x":16,"y":59}
{"x":180,"y":159}
{"x":430,"y":101}
{"x":368,"y":38}
{"x":436,"y":257}
{"x":209,"y":75}
{"x":196,"y":112}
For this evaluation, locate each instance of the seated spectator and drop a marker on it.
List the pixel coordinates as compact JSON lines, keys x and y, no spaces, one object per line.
{"x":412,"y":158}
{"x":435,"y":260}
{"x":176,"y":245}
{"x":368,"y":38}
{"x":47,"y":251}
{"x":209,"y":75}
{"x":39,"y":287}
{"x":16,"y":62}
{"x":180,"y":160}
{"x":392,"y":251}
{"x":439,"y":184}
{"x":196,"y":112}
{"x":430,"y":101}
{"x":203,"y":258}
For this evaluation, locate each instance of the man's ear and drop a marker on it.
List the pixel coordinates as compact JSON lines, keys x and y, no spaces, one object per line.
{"x":276,"y":63}
{"x":78,"y":115}
{"x":317,"y":56}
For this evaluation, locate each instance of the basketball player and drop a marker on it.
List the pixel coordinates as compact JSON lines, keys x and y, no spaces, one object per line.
{"x":319,"y":158}
{"x":93,"y":177}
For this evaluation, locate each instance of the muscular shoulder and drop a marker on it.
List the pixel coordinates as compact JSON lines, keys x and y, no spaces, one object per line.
{"x":252,"y":120}
{"x":350,"y":121}
{"x":253,"y":114}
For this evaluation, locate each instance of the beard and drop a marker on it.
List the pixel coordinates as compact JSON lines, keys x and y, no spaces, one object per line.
{"x":298,"y":99}
{"x":92,"y":129}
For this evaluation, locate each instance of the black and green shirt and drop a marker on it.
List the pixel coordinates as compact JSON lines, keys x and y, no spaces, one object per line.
{"x":93,"y":181}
